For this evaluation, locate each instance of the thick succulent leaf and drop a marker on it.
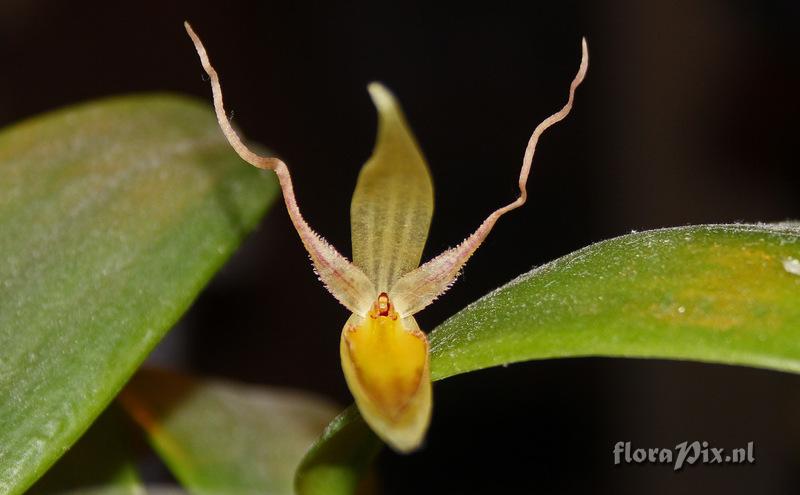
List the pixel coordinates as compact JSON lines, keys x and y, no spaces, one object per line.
{"x":720,"y":293}
{"x":113,"y":216}
{"x":219,"y":438}
{"x":102,"y":462}
{"x":393,"y":202}
{"x":724,"y":294}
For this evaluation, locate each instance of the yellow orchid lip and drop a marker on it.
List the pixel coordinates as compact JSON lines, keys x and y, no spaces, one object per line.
{"x":385,"y":356}
{"x":385,"y":363}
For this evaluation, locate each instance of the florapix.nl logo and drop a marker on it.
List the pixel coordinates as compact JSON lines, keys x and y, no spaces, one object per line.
{"x":685,"y":453}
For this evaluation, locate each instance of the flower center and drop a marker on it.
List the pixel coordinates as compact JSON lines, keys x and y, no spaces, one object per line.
{"x":383,"y":307}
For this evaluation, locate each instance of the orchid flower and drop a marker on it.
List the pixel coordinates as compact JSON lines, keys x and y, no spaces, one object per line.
{"x":385,"y":355}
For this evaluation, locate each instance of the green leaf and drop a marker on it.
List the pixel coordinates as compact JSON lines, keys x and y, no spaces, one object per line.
{"x":719,"y":293}
{"x":338,"y":460}
{"x":392,"y":204}
{"x":100,"y":463}
{"x":219,"y":438}
{"x":114,"y":215}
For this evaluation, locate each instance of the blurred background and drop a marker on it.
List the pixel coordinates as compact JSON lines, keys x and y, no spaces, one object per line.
{"x":688,"y":116}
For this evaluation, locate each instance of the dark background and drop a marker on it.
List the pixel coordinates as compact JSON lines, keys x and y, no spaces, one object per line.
{"x":688,"y":115}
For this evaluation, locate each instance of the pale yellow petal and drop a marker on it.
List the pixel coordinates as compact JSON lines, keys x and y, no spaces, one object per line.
{"x":348,"y":284}
{"x":385,"y":363}
{"x":422,"y":286}
{"x":393,"y":200}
